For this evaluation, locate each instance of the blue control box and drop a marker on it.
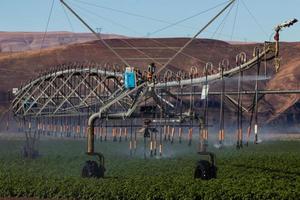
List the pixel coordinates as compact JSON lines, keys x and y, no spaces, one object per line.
{"x":129,"y":78}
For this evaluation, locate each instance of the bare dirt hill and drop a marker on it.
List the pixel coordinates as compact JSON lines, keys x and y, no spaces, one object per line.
{"x":24,"y":41}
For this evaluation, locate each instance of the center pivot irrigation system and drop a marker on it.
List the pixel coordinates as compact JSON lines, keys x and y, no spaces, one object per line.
{"x":102,"y":101}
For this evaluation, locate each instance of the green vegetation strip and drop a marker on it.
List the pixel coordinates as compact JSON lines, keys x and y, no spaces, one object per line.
{"x":266,"y":171}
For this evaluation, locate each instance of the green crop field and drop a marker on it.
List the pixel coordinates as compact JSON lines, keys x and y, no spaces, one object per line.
{"x":270,"y":170}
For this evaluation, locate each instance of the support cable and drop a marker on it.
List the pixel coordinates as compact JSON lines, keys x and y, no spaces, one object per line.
{"x":124,"y":12}
{"x":68,"y":18}
{"x":47,"y":25}
{"x":133,"y":47}
{"x":92,"y":30}
{"x":254,"y":19}
{"x":146,"y":17}
{"x":196,"y":35}
{"x":219,"y":29}
{"x":234,"y":22}
{"x":187,"y":18}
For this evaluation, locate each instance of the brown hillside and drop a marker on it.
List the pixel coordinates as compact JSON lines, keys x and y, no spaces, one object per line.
{"x":24,"y":41}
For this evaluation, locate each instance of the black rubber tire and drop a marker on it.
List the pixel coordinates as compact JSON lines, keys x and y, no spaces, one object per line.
{"x":205,"y":170}
{"x":92,"y":170}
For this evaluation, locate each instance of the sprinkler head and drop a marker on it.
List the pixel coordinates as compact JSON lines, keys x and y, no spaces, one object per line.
{"x":286,"y":24}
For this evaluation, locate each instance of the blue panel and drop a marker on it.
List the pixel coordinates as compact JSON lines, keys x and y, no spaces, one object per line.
{"x":129,"y":80}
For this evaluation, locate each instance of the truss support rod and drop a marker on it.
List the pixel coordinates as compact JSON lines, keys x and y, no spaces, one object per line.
{"x":67,"y":71}
{"x":91,"y":90}
{"x":70,"y":94}
{"x":20,"y":96}
{"x":70,"y":87}
{"x":53,"y":95}
{"x":55,"y":87}
{"x":40,"y":95}
{"x":236,"y":103}
{"x":29,"y":93}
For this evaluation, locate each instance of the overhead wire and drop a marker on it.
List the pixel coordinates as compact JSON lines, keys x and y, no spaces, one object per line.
{"x":255,"y":20}
{"x":111,"y":21}
{"x":127,"y":28}
{"x":92,"y":30}
{"x":158,"y":41}
{"x":124,"y":12}
{"x":68,"y":18}
{"x":196,"y":35}
{"x":154,"y":19}
{"x":47,"y":24}
{"x":43,"y":39}
{"x":133,"y":14}
{"x":153,"y":59}
{"x":145,"y":17}
{"x":219,"y":29}
{"x":48,"y":21}
{"x":69,"y":22}
{"x":103,"y":18}
{"x":235,"y":19}
{"x":221,"y":26}
{"x":187,"y":18}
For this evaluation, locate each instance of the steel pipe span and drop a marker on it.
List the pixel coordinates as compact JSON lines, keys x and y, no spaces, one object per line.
{"x":199,"y":80}
{"x":73,"y":91}
{"x":71,"y":70}
{"x":214,"y":77}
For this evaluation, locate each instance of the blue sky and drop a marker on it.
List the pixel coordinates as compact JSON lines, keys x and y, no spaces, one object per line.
{"x":248,"y":20}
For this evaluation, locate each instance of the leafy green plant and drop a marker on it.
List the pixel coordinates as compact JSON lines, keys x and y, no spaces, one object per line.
{"x":265,"y":171}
